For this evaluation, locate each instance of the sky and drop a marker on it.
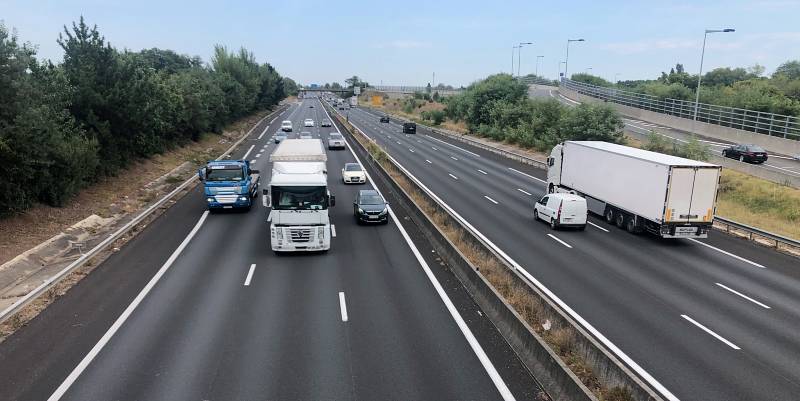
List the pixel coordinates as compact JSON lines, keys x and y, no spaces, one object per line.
{"x":407,"y":42}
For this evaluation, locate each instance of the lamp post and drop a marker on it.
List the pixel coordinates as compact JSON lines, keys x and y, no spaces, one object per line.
{"x":512,"y":60}
{"x":559,"y":68}
{"x":588,"y":69}
{"x":519,"y":54}
{"x":566,"y":63}
{"x":537,"y":66}
{"x":700,"y":75}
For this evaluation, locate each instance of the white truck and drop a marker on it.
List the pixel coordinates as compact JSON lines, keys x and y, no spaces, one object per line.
{"x":298,"y":197}
{"x":353,"y":101}
{"x":636,"y":189}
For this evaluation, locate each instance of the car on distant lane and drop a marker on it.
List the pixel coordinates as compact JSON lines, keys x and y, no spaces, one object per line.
{"x":746,"y":153}
{"x":335,"y":141}
{"x":286,"y":126}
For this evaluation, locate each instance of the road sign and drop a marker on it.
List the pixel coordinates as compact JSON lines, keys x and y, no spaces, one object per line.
{"x":357,"y":90}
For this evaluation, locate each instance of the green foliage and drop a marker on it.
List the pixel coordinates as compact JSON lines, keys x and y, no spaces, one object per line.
{"x":789,"y":69}
{"x":667,"y":91}
{"x":692,"y":149}
{"x":64,"y":126}
{"x":435,"y":116}
{"x":591,"y":79}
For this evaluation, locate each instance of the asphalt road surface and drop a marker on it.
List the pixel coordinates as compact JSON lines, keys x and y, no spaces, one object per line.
{"x":714,"y":319}
{"x":197,"y":306}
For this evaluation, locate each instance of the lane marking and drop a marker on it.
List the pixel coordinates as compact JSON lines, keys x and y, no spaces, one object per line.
{"x":434,"y":148}
{"x":343,"y":306}
{"x":457,"y":147}
{"x":333,"y":230}
{"x":462,"y":325}
{"x":411,"y":150}
{"x":250,"y":275}
{"x":709,"y":331}
{"x":259,"y":155}
{"x":252,"y":161}
{"x":559,"y":240}
{"x":248,"y":151}
{"x":265,"y":130}
{"x":483,"y":172}
{"x":727,"y":253}
{"x":73,"y":376}
{"x":429,"y":162}
{"x":743,"y":296}
{"x":453,"y":158}
{"x":490,"y":199}
{"x":596,"y":226}
{"x":524,"y":192}
{"x":527,"y":175}
{"x":454,"y":177}
{"x":398,"y":142}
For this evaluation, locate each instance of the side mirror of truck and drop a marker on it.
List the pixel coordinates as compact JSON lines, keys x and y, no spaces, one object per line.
{"x":201,"y":174}
{"x":332,"y":200}
{"x":265,"y":192}
{"x":254,"y":171}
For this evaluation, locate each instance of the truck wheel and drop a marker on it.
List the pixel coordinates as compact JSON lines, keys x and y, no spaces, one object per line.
{"x":620,"y":220}
{"x":630,"y":226}
{"x":609,"y":216}
{"x":553,"y":224}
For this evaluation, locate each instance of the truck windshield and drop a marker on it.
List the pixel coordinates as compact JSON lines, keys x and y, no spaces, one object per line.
{"x":299,"y":198}
{"x":225,"y":174}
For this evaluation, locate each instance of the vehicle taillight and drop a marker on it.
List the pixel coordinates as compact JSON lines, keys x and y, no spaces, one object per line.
{"x":559,"y":210}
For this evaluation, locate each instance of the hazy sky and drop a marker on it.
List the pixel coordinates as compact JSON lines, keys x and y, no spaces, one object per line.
{"x":405,"y":42}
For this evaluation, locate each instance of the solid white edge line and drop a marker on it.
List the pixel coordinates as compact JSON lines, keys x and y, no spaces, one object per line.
{"x":333,"y":230}
{"x":524,"y":192}
{"x":454,"y":177}
{"x":462,"y":325}
{"x":596,"y":226}
{"x":343,"y":306}
{"x":743,"y":296}
{"x":583,"y":322}
{"x":560,"y":240}
{"x":248,"y":151}
{"x":527,"y":175}
{"x":482,"y":172}
{"x":727,"y":253}
{"x":491,"y":200}
{"x":457,"y":147}
{"x":73,"y":376}
{"x":250,"y":274}
{"x":709,"y":331}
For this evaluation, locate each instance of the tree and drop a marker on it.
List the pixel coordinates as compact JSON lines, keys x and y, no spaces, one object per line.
{"x":591,"y":79}
{"x":789,"y":69}
{"x":726,"y":76}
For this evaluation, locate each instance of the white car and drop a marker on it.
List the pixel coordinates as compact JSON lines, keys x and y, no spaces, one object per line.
{"x":562,"y":210}
{"x":308,"y":122}
{"x":286,"y":126}
{"x":353,"y":173}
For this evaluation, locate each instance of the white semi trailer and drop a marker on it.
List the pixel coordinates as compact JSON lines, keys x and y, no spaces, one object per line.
{"x":299,"y":198}
{"x":638,"y":190}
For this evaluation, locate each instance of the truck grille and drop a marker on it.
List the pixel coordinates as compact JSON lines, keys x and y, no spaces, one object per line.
{"x":227,"y":198}
{"x":300,"y":234}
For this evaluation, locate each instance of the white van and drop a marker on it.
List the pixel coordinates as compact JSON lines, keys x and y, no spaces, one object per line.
{"x":286,"y":126}
{"x":562,"y":210}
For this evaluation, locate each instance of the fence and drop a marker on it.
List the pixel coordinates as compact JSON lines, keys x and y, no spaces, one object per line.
{"x":412,"y":89}
{"x":776,"y":125}
{"x":537,"y":81}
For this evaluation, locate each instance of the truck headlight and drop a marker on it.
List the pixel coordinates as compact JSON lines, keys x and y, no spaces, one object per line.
{"x":320,"y":234}
{"x":243,"y":198}
{"x":210,"y":199}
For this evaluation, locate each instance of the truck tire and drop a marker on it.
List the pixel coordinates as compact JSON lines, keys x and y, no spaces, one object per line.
{"x":630,"y":226}
{"x":609,"y":215}
{"x":620,"y":220}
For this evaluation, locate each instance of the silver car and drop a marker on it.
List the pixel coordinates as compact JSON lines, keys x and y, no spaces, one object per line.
{"x":335,"y":141}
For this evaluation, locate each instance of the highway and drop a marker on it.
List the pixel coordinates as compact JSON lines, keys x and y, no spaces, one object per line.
{"x":197,"y":306}
{"x":785,"y":164}
{"x":714,"y":319}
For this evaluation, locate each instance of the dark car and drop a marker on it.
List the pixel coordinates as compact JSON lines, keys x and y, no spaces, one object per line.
{"x":409,"y":128}
{"x":746,"y":153}
{"x":280,"y":136}
{"x":385,"y":119}
{"x":369,"y":207}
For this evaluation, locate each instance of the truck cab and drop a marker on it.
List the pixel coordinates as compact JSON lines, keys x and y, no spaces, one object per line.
{"x":229,"y":184}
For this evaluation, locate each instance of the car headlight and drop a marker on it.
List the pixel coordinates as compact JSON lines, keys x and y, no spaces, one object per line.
{"x":360,"y":211}
{"x":384,"y":211}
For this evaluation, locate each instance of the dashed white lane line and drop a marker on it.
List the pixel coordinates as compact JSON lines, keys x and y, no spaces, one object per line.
{"x":252,"y":161}
{"x":259,"y":155}
{"x":457,"y":147}
{"x":482,"y":172}
{"x":454,"y":177}
{"x":263,"y":132}
{"x":343,"y":306}
{"x":333,"y":230}
{"x":411,"y":150}
{"x":559,"y":240}
{"x":398,"y":142}
{"x":491,"y":200}
{"x":527,"y":175}
{"x":524,"y":191}
{"x":596,"y":226}
{"x":743,"y":296}
{"x":709,"y":331}
{"x":250,"y":275}
{"x":429,"y":162}
{"x":248,"y":151}
{"x":434,"y":148}
{"x":728,"y":253}
{"x":453,"y":158}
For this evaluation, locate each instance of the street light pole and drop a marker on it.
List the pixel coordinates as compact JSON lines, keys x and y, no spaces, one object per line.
{"x":512,"y":60}
{"x":587,"y":70}
{"x":700,"y":75}
{"x":559,"y":68}
{"x":537,"y":66}
{"x":519,"y":55}
{"x":566,"y":63}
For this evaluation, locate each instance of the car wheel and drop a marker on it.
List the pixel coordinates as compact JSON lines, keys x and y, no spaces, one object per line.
{"x":620,"y":220}
{"x":610,"y":216}
{"x":535,"y":214}
{"x":741,"y":159}
{"x":553,"y":224}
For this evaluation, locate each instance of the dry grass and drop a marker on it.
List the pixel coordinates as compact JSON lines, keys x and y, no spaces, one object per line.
{"x":527,"y":305}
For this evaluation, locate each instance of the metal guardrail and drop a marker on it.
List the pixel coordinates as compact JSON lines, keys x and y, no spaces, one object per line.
{"x":777,"y":125}
{"x":63,"y":273}
{"x":752,"y":233}
{"x":537,"y":81}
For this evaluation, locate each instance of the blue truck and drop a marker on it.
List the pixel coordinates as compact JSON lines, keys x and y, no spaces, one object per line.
{"x":229,"y":184}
